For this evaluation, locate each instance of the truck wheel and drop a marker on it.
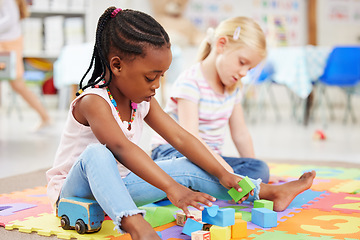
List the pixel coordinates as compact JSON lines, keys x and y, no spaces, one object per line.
{"x":80,"y":226}
{"x":65,"y":222}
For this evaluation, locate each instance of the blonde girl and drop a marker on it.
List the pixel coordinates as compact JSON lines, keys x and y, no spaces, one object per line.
{"x":207,"y":97}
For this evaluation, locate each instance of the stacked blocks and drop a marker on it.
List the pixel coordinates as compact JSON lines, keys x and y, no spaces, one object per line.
{"x":264,"y":204}
{"x":225,"y":225}
{"x":220,"y":217}
{"x":246,"y":185}
{"x":264,"y":217}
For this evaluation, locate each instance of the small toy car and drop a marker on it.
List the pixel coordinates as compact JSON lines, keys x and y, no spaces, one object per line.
{"x":83,"y":215}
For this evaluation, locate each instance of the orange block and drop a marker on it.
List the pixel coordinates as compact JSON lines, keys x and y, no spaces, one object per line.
{"x":239,"y":229}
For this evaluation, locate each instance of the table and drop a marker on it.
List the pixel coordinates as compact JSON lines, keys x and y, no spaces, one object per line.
{"x":298,"y":67}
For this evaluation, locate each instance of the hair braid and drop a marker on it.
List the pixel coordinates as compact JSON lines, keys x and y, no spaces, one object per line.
{"x":127,"y":34}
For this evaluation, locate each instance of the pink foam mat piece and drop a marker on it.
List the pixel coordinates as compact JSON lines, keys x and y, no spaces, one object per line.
{"x":342,"y":202}
{"x":18,"y":209}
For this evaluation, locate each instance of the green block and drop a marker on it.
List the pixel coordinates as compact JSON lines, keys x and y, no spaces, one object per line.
{"x":246,"y":186}
{"x":264,"y":204}
{"x":158,"y":216}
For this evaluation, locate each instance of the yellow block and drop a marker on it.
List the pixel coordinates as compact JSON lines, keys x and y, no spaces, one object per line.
{"x":220,"y":233}
{"x":238,"y":215}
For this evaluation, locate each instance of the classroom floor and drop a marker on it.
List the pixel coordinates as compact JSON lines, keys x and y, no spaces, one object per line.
{"x":23,"y":151}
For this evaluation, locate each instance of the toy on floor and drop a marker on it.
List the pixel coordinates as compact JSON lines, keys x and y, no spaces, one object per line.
{"x":83,"y":215}
{"x":319,"y":135}
{"x":262,"y":203}
{"x":264,"y":217}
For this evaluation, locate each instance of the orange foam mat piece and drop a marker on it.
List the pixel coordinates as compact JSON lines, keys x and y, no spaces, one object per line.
{"x":37,"y":194}
{"x":322,"y":223}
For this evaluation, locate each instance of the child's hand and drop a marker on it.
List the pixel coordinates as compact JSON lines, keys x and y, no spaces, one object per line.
{"x":231,"y":181}
{"x":182,"y":197}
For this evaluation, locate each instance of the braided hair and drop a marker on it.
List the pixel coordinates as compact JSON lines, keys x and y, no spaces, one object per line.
{"x":126,"y":32}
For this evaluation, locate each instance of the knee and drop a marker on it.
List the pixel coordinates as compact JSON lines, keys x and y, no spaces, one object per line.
{"x":17,"y":85}
{"x":264,"y":171}
{"x":96,"y":152}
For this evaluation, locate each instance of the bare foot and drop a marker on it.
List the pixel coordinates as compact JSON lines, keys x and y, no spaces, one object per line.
{"x":282,"y":195}
{"x":138,"y":228}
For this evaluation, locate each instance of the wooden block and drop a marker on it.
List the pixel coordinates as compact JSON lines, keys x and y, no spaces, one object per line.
{"x":180,"y":219}
{"x":200,"y":235}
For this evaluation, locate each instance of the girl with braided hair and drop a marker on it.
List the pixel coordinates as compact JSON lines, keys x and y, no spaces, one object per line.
{"x":98,"y":156}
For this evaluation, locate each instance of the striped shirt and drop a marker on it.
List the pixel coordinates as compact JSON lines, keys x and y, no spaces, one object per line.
{"x":214,"y":109}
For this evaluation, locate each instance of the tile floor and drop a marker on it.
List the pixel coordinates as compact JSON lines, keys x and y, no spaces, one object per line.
{"x":22,"y":151}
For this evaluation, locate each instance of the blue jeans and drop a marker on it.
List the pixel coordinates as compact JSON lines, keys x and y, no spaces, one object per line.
{"x":95,"y":176}
{"x":253,"y":168}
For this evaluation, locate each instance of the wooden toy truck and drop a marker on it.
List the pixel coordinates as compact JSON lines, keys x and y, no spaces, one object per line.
{"x":83,"y":215}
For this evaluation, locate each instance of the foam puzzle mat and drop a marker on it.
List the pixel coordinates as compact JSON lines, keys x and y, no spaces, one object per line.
{"x":330,"y":210}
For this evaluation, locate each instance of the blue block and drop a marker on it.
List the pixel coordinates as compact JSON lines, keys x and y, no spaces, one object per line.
{"x":191,"y":226}
{"x":219,"y":217}
{"x":264,"y":217}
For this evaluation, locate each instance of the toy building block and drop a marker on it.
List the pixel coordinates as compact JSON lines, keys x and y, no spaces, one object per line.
{"x":264,"y":204}
{"x":158,"y":216}
{"x":181,"y":217}
{"x":159,"y":233}
{"x":206,"y":226}
{"x":264,"y":217}
{"x":246,"y":185}
{"x":220,"y":233}
{"x":191,"y":225}
{"x":220,"y":217}
{"x":238,"y":215}
{"x":239,"y":229}
{"x":200,"y":235}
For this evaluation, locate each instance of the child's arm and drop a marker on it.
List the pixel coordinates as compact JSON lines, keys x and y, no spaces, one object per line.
{"x":188,"y":145}
{"x":240,"y":133}
{"x":188,"y":113}
{"x":93,"y":111}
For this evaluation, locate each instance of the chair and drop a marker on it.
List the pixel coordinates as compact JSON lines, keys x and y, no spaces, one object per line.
{"x":342,"y":70}
{"x":261,"y":76}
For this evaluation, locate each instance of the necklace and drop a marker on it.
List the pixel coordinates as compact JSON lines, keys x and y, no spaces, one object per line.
{"x":133,"y":107}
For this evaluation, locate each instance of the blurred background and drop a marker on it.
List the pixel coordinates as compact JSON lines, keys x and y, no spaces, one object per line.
{"x":293,"y":112}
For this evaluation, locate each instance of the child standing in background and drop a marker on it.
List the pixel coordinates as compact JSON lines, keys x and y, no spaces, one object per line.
{"x":206,"y":98}
{"x":11,"y":14}
{"x":98,"y":156}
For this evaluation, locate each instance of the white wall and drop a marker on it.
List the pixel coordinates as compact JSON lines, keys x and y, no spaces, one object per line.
{"x":96,"y":8}
{"x":330,"y":32}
